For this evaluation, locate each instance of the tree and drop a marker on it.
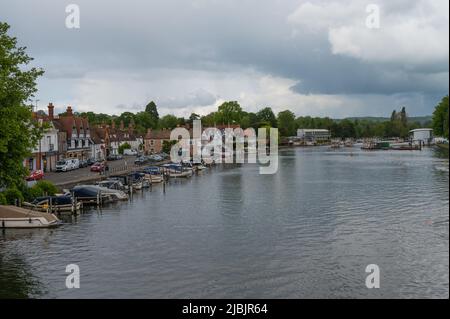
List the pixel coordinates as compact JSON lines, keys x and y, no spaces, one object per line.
{"x":167,"y":146}
{"x":168,"y":121}
{"x":152,"y":110}
{"x":394,"y":115}
{"x":18,"y":132}
{"x":229,"y":113}
{"x":286,"y":123}
{"x":440,"y":118}
{"x":267,"y":116}
{"x":193,"y":117}
{"x":126,"y":118}
{"x":403,"y":117}
{"x":144,"y":121}
{"x":123,"y":147}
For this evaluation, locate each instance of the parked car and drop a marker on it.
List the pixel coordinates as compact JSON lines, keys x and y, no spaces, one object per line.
{"x":119,"y":157}
{"x":35,"y":175}
{"x":75,"y":162}
{"x":156,"y":158}
{"x":112,"y":157}
{"x":141,"y":160}
{"x":99,"y":167}
{"x":164,"y":155}
{"x":64,"y":166}
{"x":130,"y":152}
{"x":91,"y":162}
{"x":84,"y":163}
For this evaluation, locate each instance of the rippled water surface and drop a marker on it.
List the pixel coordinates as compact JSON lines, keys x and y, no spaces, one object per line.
{"x":309,"y":231}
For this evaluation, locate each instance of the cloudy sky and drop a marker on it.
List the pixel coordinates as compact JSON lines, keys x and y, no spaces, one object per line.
{"x":313,"y":57}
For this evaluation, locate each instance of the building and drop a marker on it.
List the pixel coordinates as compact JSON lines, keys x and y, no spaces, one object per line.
{"x":100,"y":142}
{"x":314,"y":135}
{"x":154,"y":140}
{"x":45,"y":155}
{"x":422,"y":135}
{"x":78,"y":134}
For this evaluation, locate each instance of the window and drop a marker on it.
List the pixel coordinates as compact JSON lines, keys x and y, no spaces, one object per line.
{"x":30,"y":164}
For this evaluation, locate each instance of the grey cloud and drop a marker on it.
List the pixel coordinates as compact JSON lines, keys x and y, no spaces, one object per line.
{"x":207,"y":35}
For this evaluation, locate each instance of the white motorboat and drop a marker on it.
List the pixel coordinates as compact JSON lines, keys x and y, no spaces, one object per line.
{"x":17,"y":217}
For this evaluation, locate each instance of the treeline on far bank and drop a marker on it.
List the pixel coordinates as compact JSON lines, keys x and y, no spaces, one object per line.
{"x":398,"y":125}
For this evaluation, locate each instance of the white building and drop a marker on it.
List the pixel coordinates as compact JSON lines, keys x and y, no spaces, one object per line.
{"x":422,"y":135}
{"x":314,"y":134}
{"x":45,"y":155}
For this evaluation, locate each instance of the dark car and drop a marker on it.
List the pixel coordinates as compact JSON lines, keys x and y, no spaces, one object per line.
{"x":90,"y":161}
{"x":140,"y":160}
{"x":84,"y":163}
{"x":111,"y":158}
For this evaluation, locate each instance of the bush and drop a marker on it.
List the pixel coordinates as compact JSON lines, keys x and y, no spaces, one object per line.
{"x":42,"y":188}
{"x":123,"y":147}
{"x":3,"y":199}
{"x":12,"y":194}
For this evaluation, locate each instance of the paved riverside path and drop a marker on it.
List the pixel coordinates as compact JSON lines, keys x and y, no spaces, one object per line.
{"x":84,"y":175}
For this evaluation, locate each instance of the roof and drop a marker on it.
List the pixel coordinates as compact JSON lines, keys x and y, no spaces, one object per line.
{"x":158,"y":134}
{"x":421,"y":130}
{"x":313,"y":130}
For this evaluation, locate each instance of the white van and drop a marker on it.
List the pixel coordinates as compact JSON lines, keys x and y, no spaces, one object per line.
{"x":75,"y":162}
{"x":130,"y":152}
{"x":63,"y":166}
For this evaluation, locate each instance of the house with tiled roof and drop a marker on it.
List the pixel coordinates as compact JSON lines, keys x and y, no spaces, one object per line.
{"x":45,"y":154}
{"x":154,"y":140}
{"x":78,"y":134}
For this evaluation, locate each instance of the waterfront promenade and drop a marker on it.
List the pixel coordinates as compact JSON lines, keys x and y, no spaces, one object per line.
{"x":84,"y":175}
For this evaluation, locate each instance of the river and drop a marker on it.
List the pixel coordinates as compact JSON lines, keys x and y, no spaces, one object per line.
{"x":308,"y":231}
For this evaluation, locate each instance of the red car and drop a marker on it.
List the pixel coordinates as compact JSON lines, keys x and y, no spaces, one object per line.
{"x":98,"y":167}
{"x":35,"y":175}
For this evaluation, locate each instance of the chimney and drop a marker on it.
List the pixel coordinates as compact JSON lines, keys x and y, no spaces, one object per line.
{"x":51,"y":111}
{"x":122,"y":126}
{"x":69,"y":111}
{"x":113,"y":124}
{"x":149,"y":131}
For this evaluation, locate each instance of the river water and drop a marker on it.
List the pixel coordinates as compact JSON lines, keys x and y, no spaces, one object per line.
{"x":308,"y":231}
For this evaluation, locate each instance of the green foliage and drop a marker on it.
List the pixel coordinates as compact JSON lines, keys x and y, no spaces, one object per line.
{"x":3,"y":199}
{"x":440,"y":118}
{"x":194,"y":116}
{"x":168,"y":121}
{"x":12,"y":194}
{"x":25,"y":193}
{"x":152,"y":110}
{"x":167,"y":146}
{"x":45,"y":187}
{"x":229,"y":113}
{"x":286,"y":123}
{"x":18,"y":132}
{"x":123,"y":147}
{"x":267,"y":117}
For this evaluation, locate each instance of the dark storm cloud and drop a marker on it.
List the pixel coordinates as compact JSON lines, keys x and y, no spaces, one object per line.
{"x":214,"y":36}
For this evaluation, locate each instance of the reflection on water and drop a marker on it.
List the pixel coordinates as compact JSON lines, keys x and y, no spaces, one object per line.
{"x":308,"y":231}
{"x":16,"y":277}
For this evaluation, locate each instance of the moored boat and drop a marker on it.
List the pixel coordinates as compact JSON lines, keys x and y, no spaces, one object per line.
{"x":177,"y":171}
{"x":54,"y":204}
{"x":17,"y":217}
{"x":154,"y":174}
